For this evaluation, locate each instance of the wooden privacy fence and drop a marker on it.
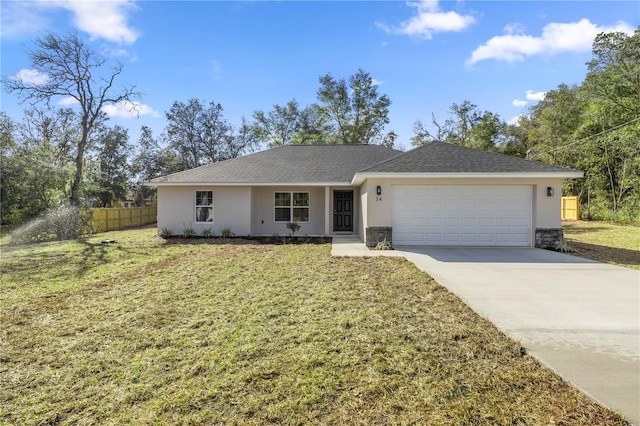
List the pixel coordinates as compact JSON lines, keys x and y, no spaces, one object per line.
{"x":570,"y":208}
{"x":119,"y":218}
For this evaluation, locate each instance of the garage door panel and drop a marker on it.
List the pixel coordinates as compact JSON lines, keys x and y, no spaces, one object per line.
{"x":433,"y":221}
{"x":468,"y":238}
{"x":462,"y":215}
{"x":486,"y":239}
{"x":504,"y":238}
{"x":434,"y":238}
{"x":469,"y":222}
{"x":485,"y":221}
{"x":521,"y":207}
{"x":415,"y":236}
{"x":451,"y":238}
{"x":521,"y":223}
{"x":450,"y":221}
{"x":415,"y":193}
{"x":503,"y":223}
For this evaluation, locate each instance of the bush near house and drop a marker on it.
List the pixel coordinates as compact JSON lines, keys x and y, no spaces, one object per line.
{"x":62,"y":223}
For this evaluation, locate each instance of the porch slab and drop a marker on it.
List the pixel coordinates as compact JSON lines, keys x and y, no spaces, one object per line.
{"x":352,"y":245}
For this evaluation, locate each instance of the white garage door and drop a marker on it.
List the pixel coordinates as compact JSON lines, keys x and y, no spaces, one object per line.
{"x":481,"y":215}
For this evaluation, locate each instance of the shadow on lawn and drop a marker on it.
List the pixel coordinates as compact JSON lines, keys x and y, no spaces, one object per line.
{"x":607,"y":254}
{"x":93,"y":254}
{"x":575,"y":229}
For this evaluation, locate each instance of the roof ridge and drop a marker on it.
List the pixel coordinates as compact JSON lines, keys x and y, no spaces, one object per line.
{"x":288,"y":163}
{"x":448,"y":156}
{"x":329,"y":145}
{"x":400,"y":154}
{"x":498,"y":154}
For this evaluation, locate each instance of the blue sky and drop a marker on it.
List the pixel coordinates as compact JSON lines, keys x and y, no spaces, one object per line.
{"x":500,"y":55}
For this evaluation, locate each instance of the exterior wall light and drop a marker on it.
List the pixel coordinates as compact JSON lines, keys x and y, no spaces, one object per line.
{"x":549,"y":191}
{"x":378,"y":190}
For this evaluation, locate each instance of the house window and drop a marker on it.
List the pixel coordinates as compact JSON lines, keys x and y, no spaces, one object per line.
{"x":291,"y":207}
{"x":204,"y":206}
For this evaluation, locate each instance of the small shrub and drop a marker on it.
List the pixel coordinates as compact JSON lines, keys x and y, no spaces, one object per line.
{"x":166,"y":232}
{"x":226,"y":232}
{"x":66,"y":222}
{"x":188,"y":231}
{"x":70,"y":222}
{"x":564,"y":246}
{"x":383,"y":245}
{"x":293,"y":227}
{"x":207,"y":233}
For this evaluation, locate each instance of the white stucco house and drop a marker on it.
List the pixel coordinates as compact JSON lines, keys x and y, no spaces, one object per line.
{"x":436,"y":194}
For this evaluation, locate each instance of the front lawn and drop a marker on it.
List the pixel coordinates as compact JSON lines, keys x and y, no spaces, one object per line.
{"x":605,"y":242}
{"x":148,"y":331}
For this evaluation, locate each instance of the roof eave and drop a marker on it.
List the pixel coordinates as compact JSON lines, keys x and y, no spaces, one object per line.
{"x":360,"y":177}
{"x":306,"y":184}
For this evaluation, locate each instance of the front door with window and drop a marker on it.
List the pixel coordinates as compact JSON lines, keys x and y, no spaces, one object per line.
{"x":343,"y":210}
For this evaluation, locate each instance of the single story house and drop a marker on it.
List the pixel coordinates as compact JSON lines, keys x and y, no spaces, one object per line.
{"x":436,"y":194}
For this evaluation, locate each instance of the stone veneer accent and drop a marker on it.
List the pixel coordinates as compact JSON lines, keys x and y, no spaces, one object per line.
{"x":375,"y":234}
{"x":547,"y":238}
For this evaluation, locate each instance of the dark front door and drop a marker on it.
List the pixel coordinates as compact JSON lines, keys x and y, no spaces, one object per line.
{"x":343,"y":210}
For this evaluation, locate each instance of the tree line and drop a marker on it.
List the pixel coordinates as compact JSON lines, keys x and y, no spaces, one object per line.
{"x":72,"y":153}
{"x":594,"y":127}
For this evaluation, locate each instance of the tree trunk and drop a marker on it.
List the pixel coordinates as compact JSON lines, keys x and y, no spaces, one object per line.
{"x":77,"y":177}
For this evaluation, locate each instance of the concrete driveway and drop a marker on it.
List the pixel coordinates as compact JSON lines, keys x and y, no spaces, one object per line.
{"x":578,"y":316}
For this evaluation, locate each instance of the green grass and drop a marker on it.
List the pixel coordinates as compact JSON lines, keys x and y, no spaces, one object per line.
{"x":148,"y":331}
{"x":605,"y":242}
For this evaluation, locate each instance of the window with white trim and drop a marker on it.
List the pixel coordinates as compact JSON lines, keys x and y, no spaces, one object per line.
{"x":204,"y":206}
{"x":291,"y":207}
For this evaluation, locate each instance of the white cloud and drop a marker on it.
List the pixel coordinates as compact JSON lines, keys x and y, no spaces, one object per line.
{"x":216,"y":66}
{"x":535,"y":96}
{"x":106,"y":20}
{"x":515,"y":28}
{"x":530,"y":95}
{"x":118,"y":53}
{"x":33,"y":77}
{"x":429,"y":20}
{"x":515,"y":120}
{"x":103,"y":19}
{"x":556,"y":38}
{"x":19,"y":18}
{"x":129,"y":110}
{"x":68,"y":101}
{"x":376,"y":82}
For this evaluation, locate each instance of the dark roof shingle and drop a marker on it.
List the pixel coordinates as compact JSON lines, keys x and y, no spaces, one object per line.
{"x":318,"y":164}
{"x":288,"y":164}
{"x":442,"y":157}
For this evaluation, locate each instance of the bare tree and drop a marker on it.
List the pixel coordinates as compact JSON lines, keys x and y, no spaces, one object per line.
{"x":198,"y":133}
{"x":70,"y":69}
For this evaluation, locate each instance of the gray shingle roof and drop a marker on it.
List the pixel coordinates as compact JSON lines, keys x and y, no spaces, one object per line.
{"x":318,"y":164}
{"x":441,"y":157}
{"x":293,"y":164}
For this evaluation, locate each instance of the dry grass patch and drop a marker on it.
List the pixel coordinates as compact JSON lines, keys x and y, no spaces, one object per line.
{"x":192,"y":332}
{"x":605,"y":242}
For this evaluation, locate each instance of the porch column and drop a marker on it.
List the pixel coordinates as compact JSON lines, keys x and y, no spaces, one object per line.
{"x":327,"y":211}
